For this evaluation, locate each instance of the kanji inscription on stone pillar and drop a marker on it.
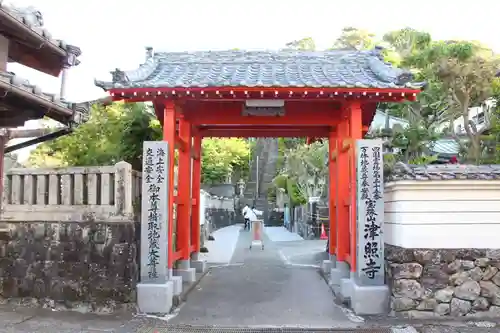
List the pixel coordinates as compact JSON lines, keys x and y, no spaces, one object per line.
{"x":370,"y":220}
{"x":154,"y":217}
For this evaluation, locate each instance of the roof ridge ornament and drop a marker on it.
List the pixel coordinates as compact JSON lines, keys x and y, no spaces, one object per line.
{"x":73,"y":52}
{"x":119,"y":76}
{"x":378,"y":51}
{"x":149,"y":53}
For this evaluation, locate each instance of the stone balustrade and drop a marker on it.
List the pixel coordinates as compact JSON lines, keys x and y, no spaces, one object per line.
{"x":77,"y":194}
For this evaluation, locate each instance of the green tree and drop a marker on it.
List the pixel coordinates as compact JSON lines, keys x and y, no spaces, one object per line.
{"x":304,"y":44}
{"x":113,"y":133}
{"x":221,"y":157}
{"x":467,"y":71}
{"x":405,"y":42}
{"x":306,"y":170}
{"x":352,"y":38}
{"x":431,"y":105}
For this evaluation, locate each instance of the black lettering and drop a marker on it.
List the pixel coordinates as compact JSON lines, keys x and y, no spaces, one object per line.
{"x":371,"y":268}
{"x":371,"y":192}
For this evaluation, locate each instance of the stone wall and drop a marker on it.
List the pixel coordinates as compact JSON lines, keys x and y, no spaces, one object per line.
{"x":220,"y":211}
{"x":86,"y":265}
{"x":443,"y":282}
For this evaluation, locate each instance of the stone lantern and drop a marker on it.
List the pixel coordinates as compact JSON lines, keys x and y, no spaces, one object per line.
{"x":241,"y":187}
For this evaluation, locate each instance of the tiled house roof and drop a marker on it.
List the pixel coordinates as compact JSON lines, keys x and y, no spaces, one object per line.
{"x":17,"y":81}
{"x":32,"y":19}
{"x":446,"y":147}
{"x":443,"y":172}
{"x":286,"y":68}
{"x":51,"y":104}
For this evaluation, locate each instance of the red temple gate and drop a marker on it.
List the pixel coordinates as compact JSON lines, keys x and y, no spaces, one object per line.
{"x":332,"y":94}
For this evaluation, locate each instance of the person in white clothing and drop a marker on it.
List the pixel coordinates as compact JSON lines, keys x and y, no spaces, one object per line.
{"x":244,"y":212}
{"x":253,"y":213}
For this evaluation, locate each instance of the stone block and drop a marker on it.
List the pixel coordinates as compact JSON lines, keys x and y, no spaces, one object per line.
{"x":345,"y":290}
{"x":341,"y":271}
{"x":326,"y":266}
{"x":187,"y":274}
{"x":155,"y":298}
{"x":369,"y":300}
{"x":199,"y":265}
{"x":177,"y":285}
{"x":183,"y":264}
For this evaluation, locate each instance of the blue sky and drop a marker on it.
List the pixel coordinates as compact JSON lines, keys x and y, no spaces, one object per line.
{"x":113,"y":33}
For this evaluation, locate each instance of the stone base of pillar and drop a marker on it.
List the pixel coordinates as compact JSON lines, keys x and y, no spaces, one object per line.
{"x":345,"y":290}
{"x":326,"y":266}
{"x":196,"y":263}
{"x":369,"y":300}
{"x":339,"y":271}
{"x":184,"y":270}
{"x":200,"y":266}
{"x":177,"y":282}
{"x":155,"y":298}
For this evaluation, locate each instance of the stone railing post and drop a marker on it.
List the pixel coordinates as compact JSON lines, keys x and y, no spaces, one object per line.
{"x":123,"y":189}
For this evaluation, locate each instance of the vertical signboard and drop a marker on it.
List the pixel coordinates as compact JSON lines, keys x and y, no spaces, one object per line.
{"x":154,"y":217}
{"x":370,"y":212}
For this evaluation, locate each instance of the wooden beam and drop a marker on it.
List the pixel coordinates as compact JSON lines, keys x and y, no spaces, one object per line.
{"x":30,"y":133}
{"x":261,"y":133}
{"x":249,"y":128}
{"x":231,"y":113}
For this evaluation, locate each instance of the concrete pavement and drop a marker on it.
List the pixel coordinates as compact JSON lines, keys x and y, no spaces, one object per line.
{"x":281,"y":234}
{"x":258,"y":288}
{"x":220,"y":251}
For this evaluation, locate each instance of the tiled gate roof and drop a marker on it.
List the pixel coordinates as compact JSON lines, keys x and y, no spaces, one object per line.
{"x":286,"y":68}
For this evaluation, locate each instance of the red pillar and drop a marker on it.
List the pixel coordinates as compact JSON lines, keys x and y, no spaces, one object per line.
{"x":184,"y":191}
{"x":169,"y":134}
{"x":343,"y":200}
{"x":196,"y":178}
{"x":332,"y":170}
{"x":355,"y":132}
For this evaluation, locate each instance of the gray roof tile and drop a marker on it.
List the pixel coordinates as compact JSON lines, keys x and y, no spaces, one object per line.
{"x":444,"y":172}
{"x":33,"y":19}
{"x":446,"y":146}
{"x":286,"y":68}
{"x":17,"y":81}
{"x":82,"y":109}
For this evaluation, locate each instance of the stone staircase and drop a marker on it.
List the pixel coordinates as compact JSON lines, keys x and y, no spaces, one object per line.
{"x":267,"y":151}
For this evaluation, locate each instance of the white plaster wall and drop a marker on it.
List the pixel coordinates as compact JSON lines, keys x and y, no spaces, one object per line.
{"x":204,"y":196}
{"x":442,"y":214}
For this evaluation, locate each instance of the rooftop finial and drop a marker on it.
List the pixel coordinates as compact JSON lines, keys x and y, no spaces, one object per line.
{"x":378,"y":51}
{"x":119,"y":76}
{"x":149,"y":52}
